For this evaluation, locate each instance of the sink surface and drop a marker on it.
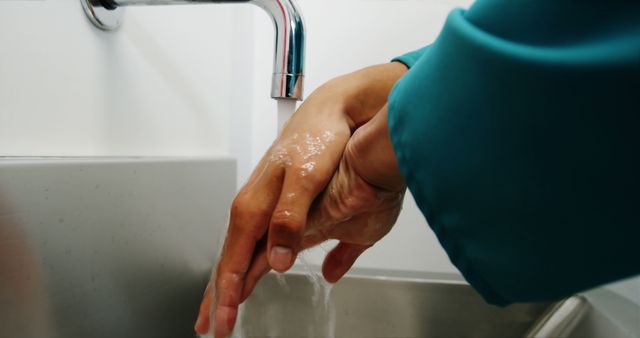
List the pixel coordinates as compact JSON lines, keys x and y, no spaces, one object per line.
{"x":108,"y":247}
{"x":293,"y":305}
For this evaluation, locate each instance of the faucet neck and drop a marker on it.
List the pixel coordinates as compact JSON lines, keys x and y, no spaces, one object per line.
{"x":288,"y":64}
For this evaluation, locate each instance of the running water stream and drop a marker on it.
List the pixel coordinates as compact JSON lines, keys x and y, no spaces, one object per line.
{"x":321,"y":288}
{"x":323,"y":322}
{"x":286,"y":108}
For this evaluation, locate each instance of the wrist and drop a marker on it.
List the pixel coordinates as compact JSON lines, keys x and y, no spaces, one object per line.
{"x":361,"y":94}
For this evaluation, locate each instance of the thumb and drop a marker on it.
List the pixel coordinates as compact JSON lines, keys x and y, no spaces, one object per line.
{"x":340,"y":260}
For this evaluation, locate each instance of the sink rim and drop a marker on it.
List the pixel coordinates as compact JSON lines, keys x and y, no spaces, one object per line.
{"x":559,"y":320}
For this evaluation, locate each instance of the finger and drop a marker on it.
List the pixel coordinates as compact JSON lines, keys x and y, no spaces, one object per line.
{"x":340,"y":260}
{"x":202,"y":323}
{"x":232,"y":270}
{"x":250,"y":215}
{"x":313,"y":238}
{"x":259,"y":268}
{"x":225,"y":319}
{"x":289,"y":218}
{"x":346,"y":196}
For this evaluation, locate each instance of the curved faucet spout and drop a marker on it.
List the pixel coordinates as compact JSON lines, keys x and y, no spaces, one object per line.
{"x":288,"y":65}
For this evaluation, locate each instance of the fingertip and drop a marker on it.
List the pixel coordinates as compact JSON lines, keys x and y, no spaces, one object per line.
{"x":331,"y":273}
{"x":329,"y":270}
{"x":340,"y":260}
{"x":202,"y":324}
{"x":281,"y":258}
{"x":289,"y":220}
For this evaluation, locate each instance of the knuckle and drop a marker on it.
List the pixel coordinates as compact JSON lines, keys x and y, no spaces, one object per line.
{"x":230,"y":280}
{"x":228,"y":290}
{"x":361,"y":198}
{"x":244,"y":208}
{"x":286,"y":229}
{"x":314,"y":179}
{"x":239,"y":204}
{"x":286,"y":220}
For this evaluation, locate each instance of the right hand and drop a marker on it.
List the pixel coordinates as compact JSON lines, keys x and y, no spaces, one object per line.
{"x":268,"y":216}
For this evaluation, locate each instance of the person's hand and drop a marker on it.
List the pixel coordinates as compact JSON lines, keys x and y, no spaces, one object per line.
{"x":268,"y":216}
{"x":361,"y":202}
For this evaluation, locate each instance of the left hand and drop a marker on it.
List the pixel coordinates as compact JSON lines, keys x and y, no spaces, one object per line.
{"x":362,"y":201}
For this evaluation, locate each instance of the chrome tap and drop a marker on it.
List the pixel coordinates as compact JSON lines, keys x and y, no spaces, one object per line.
{"x":288,"y":64}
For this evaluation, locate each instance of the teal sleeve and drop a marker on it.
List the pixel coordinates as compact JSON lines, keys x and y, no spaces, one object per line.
{"x":409,"y":59}
{"x":517,"y":132}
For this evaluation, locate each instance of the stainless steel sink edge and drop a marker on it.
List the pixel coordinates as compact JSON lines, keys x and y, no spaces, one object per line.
{"x":390,"y":275}
{"x":561,"y":319}
{"x":364,"y":305}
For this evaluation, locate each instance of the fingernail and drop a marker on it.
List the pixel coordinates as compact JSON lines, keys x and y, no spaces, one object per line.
{"x":280,"y":258}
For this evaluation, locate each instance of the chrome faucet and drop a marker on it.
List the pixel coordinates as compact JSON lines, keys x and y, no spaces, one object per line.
{"x":288,"y":64}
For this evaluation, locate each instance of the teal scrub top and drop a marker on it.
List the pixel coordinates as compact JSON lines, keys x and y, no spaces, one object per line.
{"x":518,"y":134}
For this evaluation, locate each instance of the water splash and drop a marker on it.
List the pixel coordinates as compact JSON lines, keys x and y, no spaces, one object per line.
{"x":281,"y":156}
{"x":321,"y":288}
{"x":282,"y":281}
{"x":314,"y":278}
{"x":323,"y":323}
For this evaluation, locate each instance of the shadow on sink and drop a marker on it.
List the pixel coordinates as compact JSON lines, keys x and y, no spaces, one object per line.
{"x":294,"y":306}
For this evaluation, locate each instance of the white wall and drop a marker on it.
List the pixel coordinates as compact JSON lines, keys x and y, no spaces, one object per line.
{"x":157,"y":86}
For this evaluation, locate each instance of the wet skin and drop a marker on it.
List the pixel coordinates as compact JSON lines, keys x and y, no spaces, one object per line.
{"x":331,"y":174}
